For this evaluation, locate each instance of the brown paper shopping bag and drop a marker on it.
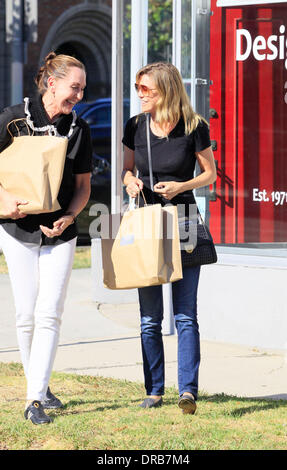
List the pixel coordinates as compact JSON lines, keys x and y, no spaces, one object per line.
{"x":135,"y":252}
{"x":31,"y":168}
{"x":171,"y":244}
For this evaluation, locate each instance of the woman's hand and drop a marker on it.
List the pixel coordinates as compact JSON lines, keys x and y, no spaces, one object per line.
{"x":58,"y":227}
{"x":168,"y":189}
{"x":10,"y":205}
{"x":134,"y":187}
{"x":79,"y":201}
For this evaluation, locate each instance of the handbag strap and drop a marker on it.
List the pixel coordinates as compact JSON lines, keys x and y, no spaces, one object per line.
{"x":14,"y":122}
{"x":150,"y":164}
{"x":149,"y":154}
{"x":200,"y":216}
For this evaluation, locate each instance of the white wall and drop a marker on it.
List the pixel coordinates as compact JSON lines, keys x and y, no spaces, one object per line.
{"x":242,"y":300}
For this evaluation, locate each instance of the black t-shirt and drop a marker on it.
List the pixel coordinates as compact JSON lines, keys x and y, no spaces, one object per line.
{"x":173,"y":157}
{"x":78,"y":160}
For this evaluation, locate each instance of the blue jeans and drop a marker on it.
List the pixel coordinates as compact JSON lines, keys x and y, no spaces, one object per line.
{"x":184,"y":293}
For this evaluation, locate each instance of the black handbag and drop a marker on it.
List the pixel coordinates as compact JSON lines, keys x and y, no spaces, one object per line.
{"x":197,"y":247}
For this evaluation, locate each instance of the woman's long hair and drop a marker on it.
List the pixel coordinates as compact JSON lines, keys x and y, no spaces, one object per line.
{"x":174,"y":102}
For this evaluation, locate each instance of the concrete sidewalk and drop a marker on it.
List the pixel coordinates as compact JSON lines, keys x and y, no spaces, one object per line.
{"x":104,"y":339}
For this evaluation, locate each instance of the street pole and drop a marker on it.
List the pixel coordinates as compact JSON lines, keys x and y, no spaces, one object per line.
{"x":139,"y":57}
{"x":117,"y":106}
{"x":139,"y":41}
{"x":17,"y":49}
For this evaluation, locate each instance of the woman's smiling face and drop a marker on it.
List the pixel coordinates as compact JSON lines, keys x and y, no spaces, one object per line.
{"x":148,"y":93}
{"x":69,"y":90}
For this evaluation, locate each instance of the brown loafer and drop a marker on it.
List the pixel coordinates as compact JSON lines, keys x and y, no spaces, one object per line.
{"x":187,"y":404}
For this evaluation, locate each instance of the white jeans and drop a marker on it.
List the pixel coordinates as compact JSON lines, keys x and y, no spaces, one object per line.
{"x":39,"y":276}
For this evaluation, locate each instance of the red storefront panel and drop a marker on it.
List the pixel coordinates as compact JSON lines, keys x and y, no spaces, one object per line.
{"x":248,"y":72}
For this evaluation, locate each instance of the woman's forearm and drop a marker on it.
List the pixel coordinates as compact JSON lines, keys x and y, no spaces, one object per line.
{"x":79,"y":201}
{"x":128,"y":177}
{"x":77,"y":204}
{"x":203,"y":179}
{"x":81,"y":195}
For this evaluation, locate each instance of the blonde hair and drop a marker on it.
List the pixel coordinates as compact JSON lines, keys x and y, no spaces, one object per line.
{"x":56,"y":65}
{"x":174,"y":102}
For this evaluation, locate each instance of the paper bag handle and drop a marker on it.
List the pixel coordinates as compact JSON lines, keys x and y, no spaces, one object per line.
{"x":138,"y":198}
{"x":14,"y":122}
{"x":138,"y":201}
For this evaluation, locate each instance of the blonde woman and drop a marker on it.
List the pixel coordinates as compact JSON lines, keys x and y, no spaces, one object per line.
{"x":179,"y":137}
{"x":39,"y":249}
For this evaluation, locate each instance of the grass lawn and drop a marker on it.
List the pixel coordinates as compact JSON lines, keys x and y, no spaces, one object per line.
{"x":102,"y":414}
{"x":82,"y":259}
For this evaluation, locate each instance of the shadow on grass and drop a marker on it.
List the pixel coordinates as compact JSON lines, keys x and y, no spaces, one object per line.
{"x":248,"y":406}
{"x":102,"y":406}
{"x":259,"y":403}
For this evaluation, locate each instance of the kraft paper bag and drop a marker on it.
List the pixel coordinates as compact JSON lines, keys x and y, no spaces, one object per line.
{"x":171,"y":241}
{"x":135,"y":251}
{"x":31,"y":168}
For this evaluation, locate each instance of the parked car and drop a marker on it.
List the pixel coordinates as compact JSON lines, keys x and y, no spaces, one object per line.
{"x":81,"y":107}
{"x":98,"y":115}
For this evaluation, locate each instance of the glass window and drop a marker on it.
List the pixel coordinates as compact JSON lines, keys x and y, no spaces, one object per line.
{"x":186,"y":44}
{"x":248,"y":126}
{"x":126,"y":51}
{"x":160,"y":31}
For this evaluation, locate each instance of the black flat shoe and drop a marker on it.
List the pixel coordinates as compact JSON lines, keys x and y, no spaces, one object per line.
{"x":51,"y":402}
{"x":151,"y":403}
{"x":187,"y":404}
{"x":35,"y":412}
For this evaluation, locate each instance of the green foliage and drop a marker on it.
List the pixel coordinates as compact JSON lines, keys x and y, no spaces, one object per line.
{"x":159,"y":28}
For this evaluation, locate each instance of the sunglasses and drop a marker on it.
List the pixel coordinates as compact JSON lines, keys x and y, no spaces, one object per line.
{"x":144,"y":89}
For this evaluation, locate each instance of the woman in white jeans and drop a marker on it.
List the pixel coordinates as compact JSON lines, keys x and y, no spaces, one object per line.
{"x":39,"y":249}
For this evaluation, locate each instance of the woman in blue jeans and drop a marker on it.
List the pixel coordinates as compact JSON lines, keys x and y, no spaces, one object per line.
{"x":179,"y":137}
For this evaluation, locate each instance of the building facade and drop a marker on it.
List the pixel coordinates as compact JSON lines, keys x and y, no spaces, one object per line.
{"x":248,"y":122}
{"x":232,"y":56}
{"x":76,"y":27}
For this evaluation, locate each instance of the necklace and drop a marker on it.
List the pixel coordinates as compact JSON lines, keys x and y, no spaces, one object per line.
{"x":50,"y":128}
{"x":162,"y":132}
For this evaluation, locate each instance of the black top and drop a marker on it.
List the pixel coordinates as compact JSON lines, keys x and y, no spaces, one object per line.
{"x":78,"y":160}
{"x":173,"y":157}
